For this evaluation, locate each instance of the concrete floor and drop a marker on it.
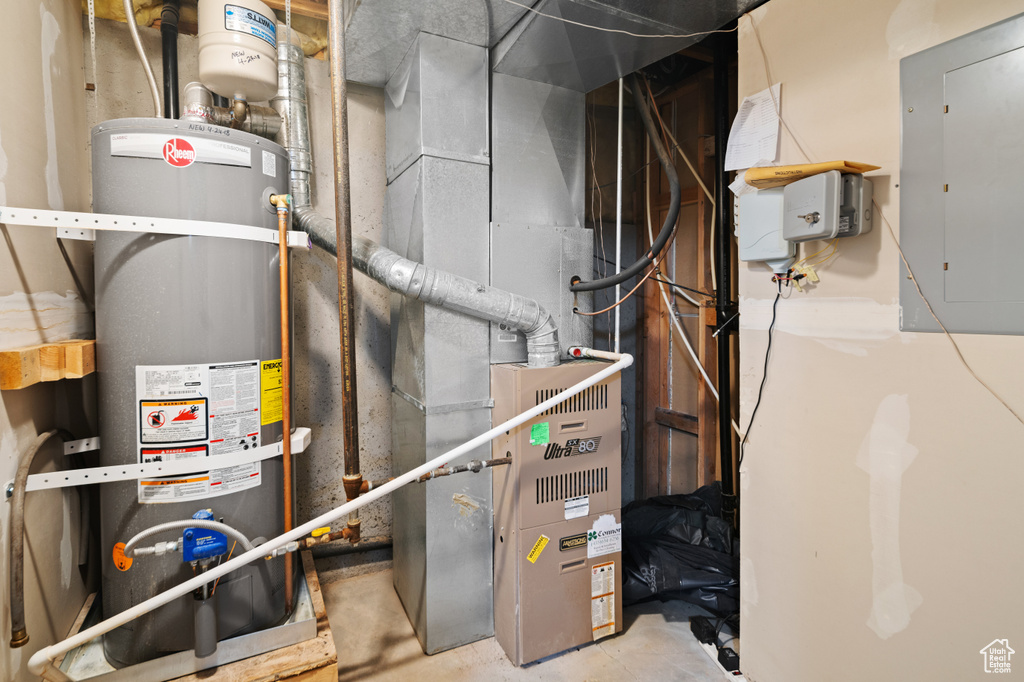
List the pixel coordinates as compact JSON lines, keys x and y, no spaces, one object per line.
{"x":376,"y":642}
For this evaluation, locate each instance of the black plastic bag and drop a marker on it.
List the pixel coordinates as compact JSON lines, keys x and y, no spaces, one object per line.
{"x":679,"y":547}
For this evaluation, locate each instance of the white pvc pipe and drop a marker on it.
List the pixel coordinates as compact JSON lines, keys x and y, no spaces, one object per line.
{"x":133,"y":28}
{"x":618,"y":219}
{"x":41,"y":663}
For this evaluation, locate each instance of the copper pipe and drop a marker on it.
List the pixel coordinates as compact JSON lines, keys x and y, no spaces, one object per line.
{"x":281,"y":201}
{"x":343,"y":235}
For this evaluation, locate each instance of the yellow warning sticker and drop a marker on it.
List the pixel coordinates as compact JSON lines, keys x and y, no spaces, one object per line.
{"x":271,"y":401}
{"x":538,"y":547}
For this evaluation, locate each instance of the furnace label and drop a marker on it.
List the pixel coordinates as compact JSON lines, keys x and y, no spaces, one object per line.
{"x":576,"y":507}
{"x":197,"y":411}
{"x":605,"y":537}
{"x":538,"y":547}
{"x":572,"y":542}
{"x":602,"y":599}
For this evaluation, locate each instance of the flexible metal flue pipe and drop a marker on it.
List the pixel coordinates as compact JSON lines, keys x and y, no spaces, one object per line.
{"x":453,"y":292}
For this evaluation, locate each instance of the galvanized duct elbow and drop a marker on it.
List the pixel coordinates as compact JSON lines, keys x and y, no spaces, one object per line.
{"x":445,"y":290}
{"x":399,"y":274}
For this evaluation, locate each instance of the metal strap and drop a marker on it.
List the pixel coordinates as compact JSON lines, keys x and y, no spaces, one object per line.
{"x":128,"y":472}
{"x":73,"y":225}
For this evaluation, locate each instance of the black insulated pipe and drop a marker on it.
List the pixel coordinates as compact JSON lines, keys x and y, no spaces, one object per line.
{"x":725,"y":306}
{"x":673,"y":208}
{"x":169,"y":41}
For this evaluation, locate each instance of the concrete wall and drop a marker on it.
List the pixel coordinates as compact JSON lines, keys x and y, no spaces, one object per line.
{"x":42,"y":165}
{"x":122,"y":92}
{"x":881,"y":504}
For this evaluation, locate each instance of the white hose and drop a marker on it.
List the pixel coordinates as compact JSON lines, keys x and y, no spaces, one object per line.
{"x":182,"y":525}
{"x":41,"y":663}
{"x":133,"y":27}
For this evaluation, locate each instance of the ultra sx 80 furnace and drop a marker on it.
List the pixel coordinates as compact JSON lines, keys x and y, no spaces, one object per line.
{"x":557,"y":526}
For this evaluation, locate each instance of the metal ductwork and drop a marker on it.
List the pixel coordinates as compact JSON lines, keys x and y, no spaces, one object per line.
{"x":291,"y":103}
{"x":445,"y":290}
{"x":401,"y":275}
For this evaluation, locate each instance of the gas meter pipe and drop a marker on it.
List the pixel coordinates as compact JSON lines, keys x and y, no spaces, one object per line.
{"x":41,"y":663}
{"x":343,"y":234}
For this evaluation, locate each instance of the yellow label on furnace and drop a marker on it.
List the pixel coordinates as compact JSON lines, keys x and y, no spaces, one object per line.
{"x":271,"y":400}
{"x":538,"y":547}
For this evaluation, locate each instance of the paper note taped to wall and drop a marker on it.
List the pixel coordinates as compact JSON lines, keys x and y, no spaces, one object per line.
{"x":754,"y":136}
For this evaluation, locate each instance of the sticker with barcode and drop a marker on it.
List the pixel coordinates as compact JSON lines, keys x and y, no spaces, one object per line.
{"x":576,"y":507}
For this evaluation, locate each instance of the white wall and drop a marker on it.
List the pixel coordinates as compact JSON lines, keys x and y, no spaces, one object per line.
{"x":42,"y":165}
{"x":881,"y":505}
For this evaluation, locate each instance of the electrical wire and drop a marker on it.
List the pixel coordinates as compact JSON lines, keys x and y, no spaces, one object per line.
{"x":764,"y":375}
{"x":714,"y":207}
{"x":896,"y":241}
{"x":952,"y":341}
{"x":664,"y":296}
{"x":133,"y":28}
{"x":617,"y":30}
{"x":654,"y":268}
{"x":680,"y":286}
{"x":233,"y":544}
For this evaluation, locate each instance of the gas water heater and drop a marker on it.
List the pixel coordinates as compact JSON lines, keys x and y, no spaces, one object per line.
{"x":189,"y":348}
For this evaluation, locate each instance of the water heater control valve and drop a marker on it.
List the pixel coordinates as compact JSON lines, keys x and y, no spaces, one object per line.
{"x":200,"y":543}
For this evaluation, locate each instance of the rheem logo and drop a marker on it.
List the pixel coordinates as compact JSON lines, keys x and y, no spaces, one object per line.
{"x":179,"y":153}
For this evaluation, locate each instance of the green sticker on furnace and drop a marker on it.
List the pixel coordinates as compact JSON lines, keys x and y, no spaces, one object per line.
{"x":540,"y":434}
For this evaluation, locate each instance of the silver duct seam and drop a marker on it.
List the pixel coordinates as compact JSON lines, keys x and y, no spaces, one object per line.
{"x":401,"y":275}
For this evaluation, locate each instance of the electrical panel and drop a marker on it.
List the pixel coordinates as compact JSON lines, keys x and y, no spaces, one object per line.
{"x":826,"y":206}
{"x":960,"y":177}
{"x":557,"y":522}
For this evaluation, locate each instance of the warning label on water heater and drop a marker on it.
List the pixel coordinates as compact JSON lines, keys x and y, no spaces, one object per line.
{"x":197,"y":411}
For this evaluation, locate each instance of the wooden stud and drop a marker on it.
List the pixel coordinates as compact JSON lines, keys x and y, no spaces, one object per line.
{"x":23,"y":367}
{"x":51,"y":362}
{"x":307,"y":8}
{"x":79,"y":358}
{"x":679,"y":421}
{"x":19,"y":368}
